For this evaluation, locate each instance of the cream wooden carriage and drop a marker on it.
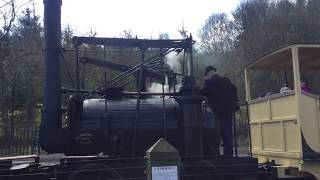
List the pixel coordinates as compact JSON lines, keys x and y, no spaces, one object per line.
{"x":285,"y":127}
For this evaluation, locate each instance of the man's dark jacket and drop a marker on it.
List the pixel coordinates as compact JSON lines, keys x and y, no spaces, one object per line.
{"x":221,"y":94}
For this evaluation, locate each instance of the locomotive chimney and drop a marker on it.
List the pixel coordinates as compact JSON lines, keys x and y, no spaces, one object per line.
{"x":192,"y":118}
{"x":51,"y":133}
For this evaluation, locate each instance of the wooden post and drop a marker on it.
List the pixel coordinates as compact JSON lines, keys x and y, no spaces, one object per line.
{"x":296,"y":77}
{"x":163,"y":161}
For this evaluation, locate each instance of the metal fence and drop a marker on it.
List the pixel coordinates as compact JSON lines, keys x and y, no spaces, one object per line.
{"x":242,"y":130}
{"x":21,"y":139}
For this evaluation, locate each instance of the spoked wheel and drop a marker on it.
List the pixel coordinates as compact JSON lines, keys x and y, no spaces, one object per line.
{"x":94,"y":171}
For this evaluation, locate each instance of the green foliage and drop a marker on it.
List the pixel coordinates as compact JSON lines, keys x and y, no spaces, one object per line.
{"x":20,"y":70}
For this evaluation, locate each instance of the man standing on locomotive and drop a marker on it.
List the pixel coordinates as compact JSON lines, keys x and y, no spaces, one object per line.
{"x":222,"y":96}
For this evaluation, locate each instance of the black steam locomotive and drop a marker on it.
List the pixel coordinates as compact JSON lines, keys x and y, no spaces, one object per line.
{"x":106,"y":119}
{"x":111,"y":121}
{"x":123,"y":125}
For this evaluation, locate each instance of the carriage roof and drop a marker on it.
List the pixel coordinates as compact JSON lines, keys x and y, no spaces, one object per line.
{"x":309,"y":58}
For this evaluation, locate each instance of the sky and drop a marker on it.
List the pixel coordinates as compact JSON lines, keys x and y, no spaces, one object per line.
{"x":145,"y":18}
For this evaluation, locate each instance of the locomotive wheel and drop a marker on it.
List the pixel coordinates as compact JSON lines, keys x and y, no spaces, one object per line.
{"x":94,"y":171}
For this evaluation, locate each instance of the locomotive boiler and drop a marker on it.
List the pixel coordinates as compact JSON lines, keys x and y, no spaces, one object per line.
{"x":110,"y":125}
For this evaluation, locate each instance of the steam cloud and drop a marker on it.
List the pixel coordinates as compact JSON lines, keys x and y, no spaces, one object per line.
{"x":173,"y":60}
{"x":157,"y":87}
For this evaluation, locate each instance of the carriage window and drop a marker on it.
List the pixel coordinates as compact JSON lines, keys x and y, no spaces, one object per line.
{"x":267,"y":82}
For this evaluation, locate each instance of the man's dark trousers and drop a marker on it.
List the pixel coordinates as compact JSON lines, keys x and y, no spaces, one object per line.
{"x":225,"y":119}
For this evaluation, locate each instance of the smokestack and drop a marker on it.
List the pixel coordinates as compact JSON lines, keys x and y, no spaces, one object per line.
{"x":50,"y":130}
{"x":192,"y":119}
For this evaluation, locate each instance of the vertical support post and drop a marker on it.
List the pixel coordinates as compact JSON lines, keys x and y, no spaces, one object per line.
{"x":249,"y":128}
{"x":184,"y":62}
{"x":104,"y":58}
{"x":296,"y":71}
{"x":163,"y":161}
{"x":296,"y":77}
{"x":83,"y":78}
{"x":164,"y":114}
{"x":248,"y":98}
{"x":77,"y":68}
{"x":190,"y":65}
{"x":235,"y":135}
{"x":140,"y":83}
{"x":142,"y":78}
{"x":247,"y":84}
{"x":297,"y":85}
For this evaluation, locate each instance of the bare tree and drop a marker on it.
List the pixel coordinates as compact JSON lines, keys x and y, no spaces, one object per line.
{"x":128,"y":34}
{"x":183,"y":31}
{"x":258,"y":26}
{"x":218,"y":34}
